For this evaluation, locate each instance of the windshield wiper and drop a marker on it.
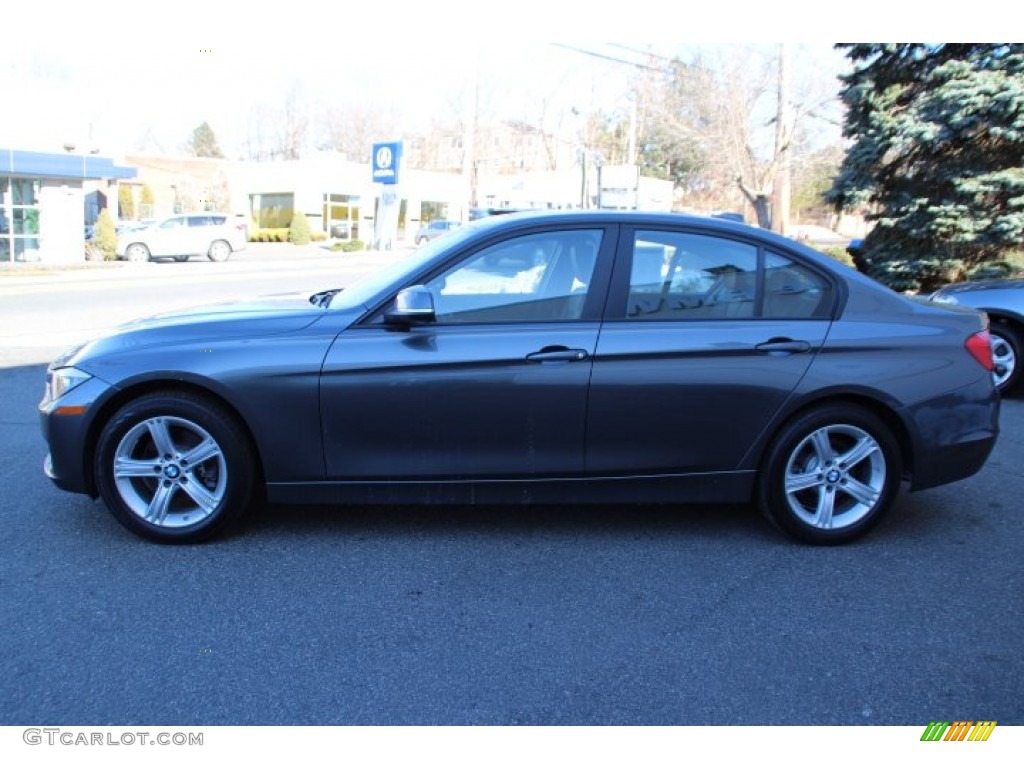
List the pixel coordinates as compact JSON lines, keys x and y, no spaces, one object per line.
{"x":323,"y":299}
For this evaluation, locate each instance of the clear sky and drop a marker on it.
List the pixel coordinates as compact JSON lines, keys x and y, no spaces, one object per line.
{"x":109,"y":72}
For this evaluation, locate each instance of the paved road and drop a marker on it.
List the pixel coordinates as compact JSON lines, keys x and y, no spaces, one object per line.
{"x":554,"y":615}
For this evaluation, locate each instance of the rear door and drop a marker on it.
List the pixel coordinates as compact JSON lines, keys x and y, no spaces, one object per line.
{"x":705,"y":337}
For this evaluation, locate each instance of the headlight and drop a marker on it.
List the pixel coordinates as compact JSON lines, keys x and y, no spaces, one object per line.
{"x":61,"y":381}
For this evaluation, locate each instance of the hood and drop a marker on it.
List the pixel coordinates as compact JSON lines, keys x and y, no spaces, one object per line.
{"x":264,"y":316}
{"x":291,"y":311}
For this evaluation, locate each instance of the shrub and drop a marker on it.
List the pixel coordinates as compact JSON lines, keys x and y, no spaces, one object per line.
{"x":318,"y":237}
{"x":106,"y":235}
{"x":348,"y":246}
{"x":298,"y":232}
{"x":268,"y":235}
{"x":839,"y":254}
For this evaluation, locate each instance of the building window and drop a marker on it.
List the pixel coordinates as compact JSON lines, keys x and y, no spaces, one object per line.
{"x":19,"y":219}
{"x":273,"y":211}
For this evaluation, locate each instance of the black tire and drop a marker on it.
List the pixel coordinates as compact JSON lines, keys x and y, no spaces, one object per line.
{"x":1006,"y":356}
{"x":200,"y":479}
{"x":220,"y":250}
{"x":807,"y":489}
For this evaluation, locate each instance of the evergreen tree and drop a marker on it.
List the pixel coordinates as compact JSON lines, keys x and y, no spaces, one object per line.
{"x":106,"y":235}
{"x":203,"y":142}
{"x":937,"y":157}
{"x":298,"y":232}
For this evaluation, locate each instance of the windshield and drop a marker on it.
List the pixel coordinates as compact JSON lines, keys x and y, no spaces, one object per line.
{"x":367,"y":290}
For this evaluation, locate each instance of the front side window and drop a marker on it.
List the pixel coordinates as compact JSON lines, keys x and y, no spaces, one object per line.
{"x":682,"y":276}
{"x":531,"y":278}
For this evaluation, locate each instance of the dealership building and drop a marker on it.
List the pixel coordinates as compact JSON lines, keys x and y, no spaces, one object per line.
{"x":46,"y":200}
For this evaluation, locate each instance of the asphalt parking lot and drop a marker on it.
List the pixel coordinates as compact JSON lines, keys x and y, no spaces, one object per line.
{"x":495,"y":615}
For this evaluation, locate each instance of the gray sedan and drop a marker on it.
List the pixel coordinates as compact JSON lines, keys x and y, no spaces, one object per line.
{"x":590,"y":357}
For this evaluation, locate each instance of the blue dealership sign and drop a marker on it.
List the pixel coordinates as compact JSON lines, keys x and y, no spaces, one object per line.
{"x":386,"y":159}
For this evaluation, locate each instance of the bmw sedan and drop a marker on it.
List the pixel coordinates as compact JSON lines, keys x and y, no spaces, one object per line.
{"x":589,"y":357}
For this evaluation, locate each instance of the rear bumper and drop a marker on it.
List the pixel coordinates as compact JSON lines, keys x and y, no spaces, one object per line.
{"x":953,"y":434}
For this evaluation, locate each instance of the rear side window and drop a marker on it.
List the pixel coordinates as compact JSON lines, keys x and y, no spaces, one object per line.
{"x":681,"y":276}
{"x":791,"y":290}
{"x":685,"y":276}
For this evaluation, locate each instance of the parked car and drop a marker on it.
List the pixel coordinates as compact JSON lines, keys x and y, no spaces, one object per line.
{"x":214,"y":235}
{"x":1003,"y":302}
{"x":434,"y":229}
{"x":558,"y":358}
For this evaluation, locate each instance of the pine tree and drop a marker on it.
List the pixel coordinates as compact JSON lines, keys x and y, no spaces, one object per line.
{"x":203,"y":142}
{"x":937,"y":156}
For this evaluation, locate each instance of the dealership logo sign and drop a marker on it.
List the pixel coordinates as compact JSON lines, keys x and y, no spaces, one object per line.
{"x":386,"y":159}
{"x":959,"y":730}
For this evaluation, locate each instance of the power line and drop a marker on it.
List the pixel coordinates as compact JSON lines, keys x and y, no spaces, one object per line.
{"x":615,"y":59}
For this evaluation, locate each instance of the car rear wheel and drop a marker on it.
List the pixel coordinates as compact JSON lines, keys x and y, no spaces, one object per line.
{"x":830,"y":474}
{"x":137,"y":252}
{"x":219,"y":251}
{"x":1006,"y":356}
{"x":174,"y":467}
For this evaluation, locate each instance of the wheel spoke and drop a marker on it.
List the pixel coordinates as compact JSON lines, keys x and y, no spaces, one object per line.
{"x":863,"y":493}
{"x":126,"y":467}
{"x":159,"y":504}
{"x":864,"y":448}
{"x":161,"y":436}
{"x":197,"y":492}
{"x":826,"y":505}
{"x":802,"y":481}
{"x":205,"y":451}
{"x":823,"y":446}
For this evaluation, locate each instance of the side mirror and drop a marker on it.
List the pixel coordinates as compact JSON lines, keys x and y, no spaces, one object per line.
{"x":414,"y":304}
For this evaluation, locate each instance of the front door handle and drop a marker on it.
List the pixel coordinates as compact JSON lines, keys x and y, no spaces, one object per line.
{"x":557,"y":355}
{"x":783,"y":346}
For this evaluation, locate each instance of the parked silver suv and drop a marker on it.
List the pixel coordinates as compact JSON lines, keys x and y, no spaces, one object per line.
{"x":214,"y":235}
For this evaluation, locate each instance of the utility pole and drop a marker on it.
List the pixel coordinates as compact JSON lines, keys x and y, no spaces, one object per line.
{"x":782,"y":183}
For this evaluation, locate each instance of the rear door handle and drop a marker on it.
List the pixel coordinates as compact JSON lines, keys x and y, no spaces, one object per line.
{"x":557,"y":355}
{"x":783,"y":346}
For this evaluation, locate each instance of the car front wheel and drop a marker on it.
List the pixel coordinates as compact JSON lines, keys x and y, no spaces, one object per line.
{"x":137,"y":252}
{"x":1006,"y":354}
{"x":219,"y":251}
{"x":830,"y":474}
{"x":174,"y":467}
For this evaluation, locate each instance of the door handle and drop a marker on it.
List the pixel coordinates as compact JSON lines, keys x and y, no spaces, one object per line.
{"x":783,"y":346}
{"x":557,"y":355}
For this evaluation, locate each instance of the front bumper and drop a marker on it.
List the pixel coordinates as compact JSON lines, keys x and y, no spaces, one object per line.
{"x":66,"y":424}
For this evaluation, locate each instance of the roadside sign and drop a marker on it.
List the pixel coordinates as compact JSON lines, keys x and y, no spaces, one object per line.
{"x":386,"y":160}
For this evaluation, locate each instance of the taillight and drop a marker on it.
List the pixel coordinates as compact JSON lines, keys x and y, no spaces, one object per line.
{"x":980,"y":346}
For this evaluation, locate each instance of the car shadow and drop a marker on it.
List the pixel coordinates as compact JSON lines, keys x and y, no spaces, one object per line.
{"x":721,"y":522}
